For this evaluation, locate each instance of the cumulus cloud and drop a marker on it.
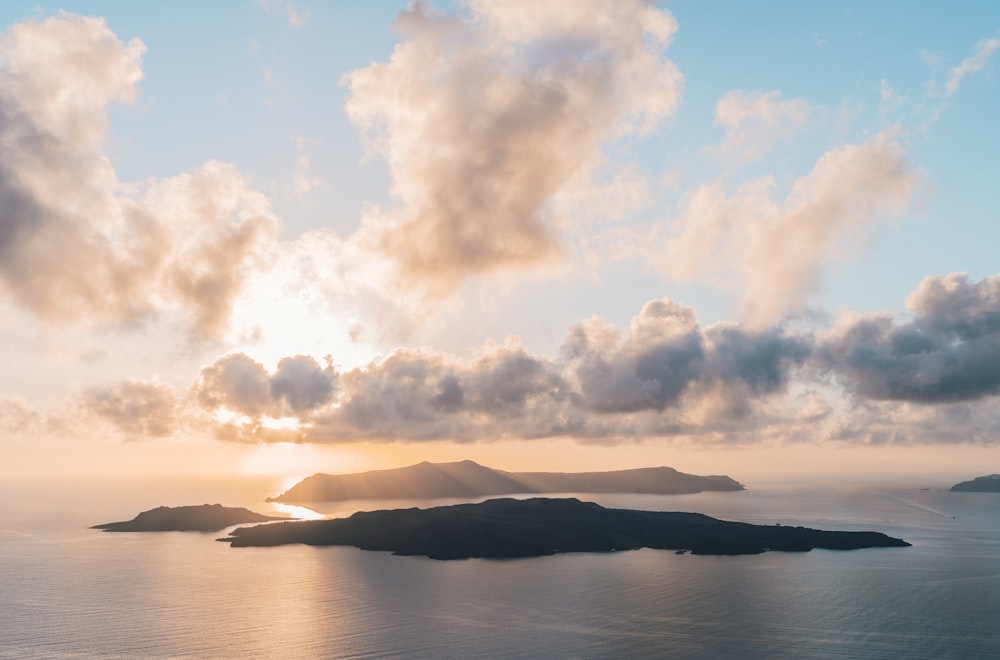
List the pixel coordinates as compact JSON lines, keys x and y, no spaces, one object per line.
{"x":137,"y":408}
{"x":605,"y":383}
{"x":503,"y":392}
{"x":980,"y":57}
{"x":949,"y":352}
{"x":754,"y":120}
{"x":76,"y":243}
{"x":777,"y":248}
{"x":302,"y":384}
{"x":485,"y":115}
{"x":240,"y":384}
{"x":870,"y":379}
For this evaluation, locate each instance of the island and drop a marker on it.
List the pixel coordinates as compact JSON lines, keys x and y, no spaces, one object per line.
{"x":201,"y":518}
{"x":988,"y":484}
{"x":512,"y":528}
{"x":467,"y":479}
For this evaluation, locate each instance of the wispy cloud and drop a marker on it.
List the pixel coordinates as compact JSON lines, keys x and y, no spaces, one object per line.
{"x":295,"y":15}
{"x":754,"y":121}
{"x":980,"y":58}
{"x":774,"y":250}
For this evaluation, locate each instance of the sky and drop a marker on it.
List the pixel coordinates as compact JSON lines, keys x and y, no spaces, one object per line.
{"x":283,"y":237}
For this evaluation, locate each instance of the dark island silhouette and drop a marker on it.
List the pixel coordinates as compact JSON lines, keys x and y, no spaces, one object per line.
{"x":467,"y":479}
{"x":510,"y":528}
{"x":988,"y":484}
{"x":201,"y":518}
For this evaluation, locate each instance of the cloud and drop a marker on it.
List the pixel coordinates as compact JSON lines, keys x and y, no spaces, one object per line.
{"x":414,"y":395}
{"x":485,"y":116}
{"x":303,"y":179}
{"x":295,"y":15}
{"x":137,"y":408}
{"x":302,"y":384}
{"x":949,"y":352}
{"x":890,"y":101}
{"x":869,"y":379}
{"x":980,"y":58}
{"x":241,"y":385}
{"x":17,"y":416}
{"x":76,"y":244}
{"x":648,"y":369}
{"x":606,"y":383}
{"x":776,"y":249}
{"x":754,"y":120}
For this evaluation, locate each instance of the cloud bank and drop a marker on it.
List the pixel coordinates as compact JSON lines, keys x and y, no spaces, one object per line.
{"x":871,"y":379}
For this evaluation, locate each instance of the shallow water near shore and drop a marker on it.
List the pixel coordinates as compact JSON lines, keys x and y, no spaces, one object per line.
{"x":69,"y":591}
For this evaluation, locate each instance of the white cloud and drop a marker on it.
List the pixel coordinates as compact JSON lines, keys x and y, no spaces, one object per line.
{"x":754,"y":120}
{"x":76,"y":244}
{"x":775,"y":250}
{"x":983,"y":53}
{"x":484,"y":118}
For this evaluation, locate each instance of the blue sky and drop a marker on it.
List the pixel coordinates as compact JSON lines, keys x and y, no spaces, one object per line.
{"x":461,"y":230}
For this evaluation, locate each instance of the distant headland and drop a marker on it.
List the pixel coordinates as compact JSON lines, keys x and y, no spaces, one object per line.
{"x":468,"y":479}
{"x":510,"y":528}
{"x":200,"y":518}
{"x":988,"y":484}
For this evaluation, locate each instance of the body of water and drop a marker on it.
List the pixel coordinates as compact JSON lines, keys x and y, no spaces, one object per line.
{"x":71,"y":592}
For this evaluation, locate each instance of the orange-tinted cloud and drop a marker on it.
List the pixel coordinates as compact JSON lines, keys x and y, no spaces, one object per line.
{"x":774,"y":250}
{"x":76,"y":244}
{"x":485,"y":116}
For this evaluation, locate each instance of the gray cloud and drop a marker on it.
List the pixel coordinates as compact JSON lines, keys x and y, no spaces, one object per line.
{"x":663,"y":375}
{"x":136,"y":408}
{"x":242,"y":385}
{"x":302,"y":383}
{"x":17,"y":416}
{"x":932,"y":378}
{"x":950,"y":351}
{"x":647,"y":369}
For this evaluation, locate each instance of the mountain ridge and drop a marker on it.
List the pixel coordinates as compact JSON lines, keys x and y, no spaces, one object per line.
{"x":467,"y":478}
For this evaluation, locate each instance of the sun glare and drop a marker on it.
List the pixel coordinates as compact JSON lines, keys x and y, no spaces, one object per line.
{"x":224,"y":416}
{"x":274,"y":324}
{"x":281,"y":423}
{"x":293,"y":511}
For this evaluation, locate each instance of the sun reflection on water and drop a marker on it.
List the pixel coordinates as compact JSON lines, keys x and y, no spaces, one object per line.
{"x":294,"y":511}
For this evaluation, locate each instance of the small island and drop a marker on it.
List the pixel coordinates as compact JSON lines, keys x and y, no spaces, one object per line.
{"x":988,"y":484}
{"x":201,"y":518}
{"x":511,"y":528}
{"x":468,"y":479}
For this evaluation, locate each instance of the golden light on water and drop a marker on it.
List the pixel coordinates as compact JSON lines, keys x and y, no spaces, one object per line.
{"x":293,"y":511}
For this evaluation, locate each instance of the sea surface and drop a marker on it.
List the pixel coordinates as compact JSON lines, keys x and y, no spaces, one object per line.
{"x":71,"y":592}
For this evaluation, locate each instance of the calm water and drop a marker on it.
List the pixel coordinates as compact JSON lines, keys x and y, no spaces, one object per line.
{"x":70,"y":592}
